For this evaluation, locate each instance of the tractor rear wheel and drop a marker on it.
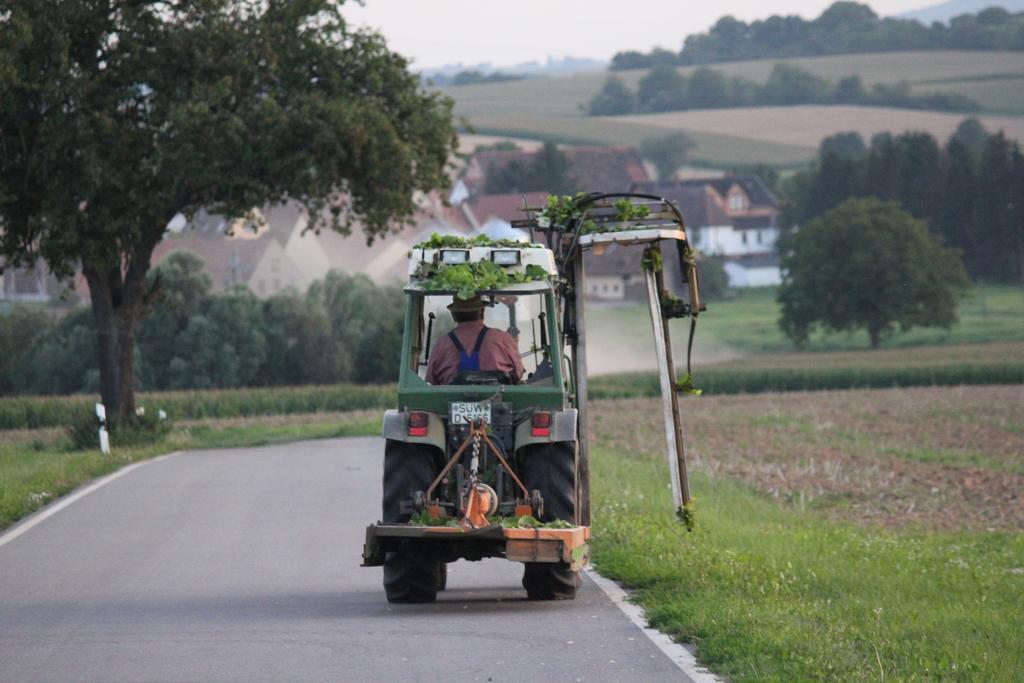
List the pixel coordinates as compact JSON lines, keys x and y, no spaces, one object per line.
{"x":551,"y":469}
{"x":412,"y":571}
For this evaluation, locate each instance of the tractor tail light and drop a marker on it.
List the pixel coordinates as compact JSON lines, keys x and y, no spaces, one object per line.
{"x":541,"y":424}
{"x":419,"y":423}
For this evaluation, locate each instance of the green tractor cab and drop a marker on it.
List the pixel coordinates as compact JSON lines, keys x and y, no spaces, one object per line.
{"x":485,"y":466}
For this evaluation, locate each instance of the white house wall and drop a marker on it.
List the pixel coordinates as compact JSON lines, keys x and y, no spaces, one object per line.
{"x":741,"y":277}
{"x":307,"y":253}
{"x":724,"y":240}
{"x":766,"y":276}
{"x":275,"y":272}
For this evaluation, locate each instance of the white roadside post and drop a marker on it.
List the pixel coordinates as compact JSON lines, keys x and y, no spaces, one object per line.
{"x":101,"y":414}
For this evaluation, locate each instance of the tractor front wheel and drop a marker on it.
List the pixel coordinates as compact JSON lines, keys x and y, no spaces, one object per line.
{"x":413,"y":572}
{"x":551,"y":469}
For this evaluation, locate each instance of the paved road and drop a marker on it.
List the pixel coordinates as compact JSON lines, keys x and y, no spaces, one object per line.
{"x":244,"y":565}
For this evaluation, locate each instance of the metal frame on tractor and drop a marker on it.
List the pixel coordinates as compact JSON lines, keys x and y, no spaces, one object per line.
{"x":597,"y":222}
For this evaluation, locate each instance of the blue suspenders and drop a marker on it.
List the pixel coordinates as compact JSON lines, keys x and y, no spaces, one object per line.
{"x":469,"y":362}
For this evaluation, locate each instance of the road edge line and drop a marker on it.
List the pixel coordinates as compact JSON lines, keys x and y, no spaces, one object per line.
{"x":679,"y":655}
{"x":43,"y":514}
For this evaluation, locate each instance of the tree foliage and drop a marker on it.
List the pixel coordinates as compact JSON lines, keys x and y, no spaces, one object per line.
{"x":970,"y":191}
{"x":116,"y":116}
{"x":843,"y":28}
{"x":615,"y":98}
{"x":868,"y":264}
{"x":663,"y":88}
{"x":344,"y":329}
{"x":548,"y":170}
{"x":667,"y":152}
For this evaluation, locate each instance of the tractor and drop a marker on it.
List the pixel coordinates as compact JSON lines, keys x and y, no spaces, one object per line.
{"x":486,"y":468}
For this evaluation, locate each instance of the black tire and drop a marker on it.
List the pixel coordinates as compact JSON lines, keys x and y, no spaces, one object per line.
{"x":551,"y":469}
{"x":408,"y":467}
{"x":550,"y":581}
{"x":412,"y":571}
{"x":442,"y":584}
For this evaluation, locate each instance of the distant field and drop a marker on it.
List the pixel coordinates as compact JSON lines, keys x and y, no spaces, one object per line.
{"x":714,"y":149}
{"x":553,"y":108}
{"x":806,"y":125}
{"x":889,"y":67}
{"x":997,"y":95}
{"x":469,"y":142}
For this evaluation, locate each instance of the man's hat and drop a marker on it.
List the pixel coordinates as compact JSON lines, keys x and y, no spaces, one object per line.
{"x":466,"y":305}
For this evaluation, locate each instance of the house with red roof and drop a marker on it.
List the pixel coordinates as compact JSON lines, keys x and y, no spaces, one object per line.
{"x":734,"y":217}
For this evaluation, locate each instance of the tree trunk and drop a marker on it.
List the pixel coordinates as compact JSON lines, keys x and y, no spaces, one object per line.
{"x":875,"y":333}
{"x":103,"y":313}
{"x":119,"y":299}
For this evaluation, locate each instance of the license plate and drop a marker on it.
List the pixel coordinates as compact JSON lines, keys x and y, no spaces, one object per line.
{"x":464,"y":413}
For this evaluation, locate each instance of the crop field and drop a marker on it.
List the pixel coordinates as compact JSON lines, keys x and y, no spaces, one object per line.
{"x":1003,"y":95}
{"x":928,"y":457}
{"x":32,"y":412}
{"x":552,"y":108}
{"x":712,"y":148}
{"x":839,"y":536}
{"x":807,"y":125}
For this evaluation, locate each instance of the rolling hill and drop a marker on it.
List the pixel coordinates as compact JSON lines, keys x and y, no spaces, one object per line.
{"x":552,"y":108}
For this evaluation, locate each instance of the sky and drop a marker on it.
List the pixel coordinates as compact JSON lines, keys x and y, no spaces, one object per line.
{"x":435,"y":33}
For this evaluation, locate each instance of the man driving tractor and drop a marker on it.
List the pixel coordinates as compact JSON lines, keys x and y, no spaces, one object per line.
{"x":473,"y":347}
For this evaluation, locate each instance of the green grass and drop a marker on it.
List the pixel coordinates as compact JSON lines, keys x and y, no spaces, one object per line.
{"x":33,"y":412}
{"x":771,"y":594}
{"x":749,"y":323}
{"x":739,"y":348}
{"x":35,"y":472}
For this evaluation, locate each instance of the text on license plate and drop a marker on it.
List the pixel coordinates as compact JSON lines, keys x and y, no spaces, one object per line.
{"x":464,"y":413}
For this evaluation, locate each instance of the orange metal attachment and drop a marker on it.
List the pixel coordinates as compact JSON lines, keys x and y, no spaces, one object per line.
{"x":482,"y":502}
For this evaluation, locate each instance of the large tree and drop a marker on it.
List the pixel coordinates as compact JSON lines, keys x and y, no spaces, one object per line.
{"x":667,"y":153}
{"x":116,"y":115}
{"x":868,"y":264}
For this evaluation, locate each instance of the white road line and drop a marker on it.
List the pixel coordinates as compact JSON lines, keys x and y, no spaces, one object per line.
{"x":679,"y":655}
{"x":49,"y":511}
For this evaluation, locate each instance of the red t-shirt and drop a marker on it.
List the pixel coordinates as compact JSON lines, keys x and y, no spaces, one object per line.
{"x":498,"y":352}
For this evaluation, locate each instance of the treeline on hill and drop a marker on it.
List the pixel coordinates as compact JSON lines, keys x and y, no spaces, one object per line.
{"x":474,"y":77}
{"x":843,"y":28}
{"x":970,"y":191}
{"x":665,"y":89}
{"x":344,"y":329}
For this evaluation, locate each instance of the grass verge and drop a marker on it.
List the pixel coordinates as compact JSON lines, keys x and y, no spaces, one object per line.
{"x":37,"y":471}
{"x":771,"y":594}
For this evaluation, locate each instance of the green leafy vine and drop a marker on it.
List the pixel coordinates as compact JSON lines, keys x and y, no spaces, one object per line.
{"x":466,"y":279}
{"x":437,"y":241}
{"x":687,"y":514}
